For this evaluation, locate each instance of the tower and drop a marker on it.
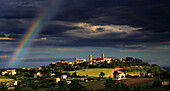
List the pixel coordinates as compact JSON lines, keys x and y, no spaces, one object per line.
{"x":102,"y":55}
{"x":76,"y":59}
{"x":90,"y":57}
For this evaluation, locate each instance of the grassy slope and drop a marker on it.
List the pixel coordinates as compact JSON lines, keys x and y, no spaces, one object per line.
{"x":4,"y":79}
{"x":93,"y":72}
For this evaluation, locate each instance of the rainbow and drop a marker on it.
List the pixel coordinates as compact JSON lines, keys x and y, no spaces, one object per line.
{"x":31,"y":34}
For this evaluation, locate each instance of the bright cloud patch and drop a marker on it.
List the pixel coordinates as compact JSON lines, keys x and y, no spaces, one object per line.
{"x":87,"y":30}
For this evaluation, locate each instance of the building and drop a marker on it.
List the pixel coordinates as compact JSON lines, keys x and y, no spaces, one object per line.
{"x":120,"y":59}
{"x":146,"y":74}
{"x":64,"y":63}
{"x":83,"y":79}
{"x":38,"y":74}
{"x":52,"y":74}
{"x":90,"y":57}
{"x":63,"y":76}
{"x":119,"y":75}
{"x":57,"y":80}
{"x":165,"y":83}
{"x":15,"y":83}
{"x":79,"y":60}
{"x":102,"y":59}
{"x":142,"y":74}
{"x":39,"y":68}
{"x":9,"y":72}
{"x":68,"y":82}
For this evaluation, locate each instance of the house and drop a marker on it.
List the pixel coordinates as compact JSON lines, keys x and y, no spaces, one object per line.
{"x":9,"y":72}
{"x":146,"y":74}
{"x":4,"y":73}
{"x":79,"y":60}
{"x":68,"y":82}
{"x":149,"y":74}
{"x":63,"y":76}
{"x":83,"y":80}
{"x":52,"y":74}
{"x":119,"y":75}
{"x":56,"y":80}
{"x":23,"y":68}
{"x":15,"y":83}
{"x":38,"y":74}
{"x":142,"y":74}
{"x":39,"y":68}
{"x":165,"y":83}
{"x":53,"y":64}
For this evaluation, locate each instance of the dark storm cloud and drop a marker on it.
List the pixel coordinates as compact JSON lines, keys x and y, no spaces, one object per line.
{"x":5,"y":52}
{"x":151,"y":16}
{"x":53,"y":29}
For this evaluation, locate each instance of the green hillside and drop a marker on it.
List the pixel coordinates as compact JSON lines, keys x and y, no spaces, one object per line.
{"x":94,"y":72}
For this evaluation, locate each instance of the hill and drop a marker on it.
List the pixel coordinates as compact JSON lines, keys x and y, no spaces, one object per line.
{"x":93,"y":72}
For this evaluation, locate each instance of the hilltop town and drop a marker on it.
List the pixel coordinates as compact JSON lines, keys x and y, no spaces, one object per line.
{"x":101,"y":70}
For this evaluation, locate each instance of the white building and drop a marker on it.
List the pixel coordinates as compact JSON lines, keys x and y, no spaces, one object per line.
{"x":63,"y":76}
{"x":119,"y":75}
{"x":57,"y":80}
{"x":9,"y":72}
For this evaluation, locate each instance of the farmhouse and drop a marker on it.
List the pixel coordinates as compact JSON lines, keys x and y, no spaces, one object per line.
{"x":56,"y":80}
{"x":38,"y":74}
{"x":146,"y":74}
{"x":52,"y":74}
{"x":119,"y":75}
{"x":63,"y":76}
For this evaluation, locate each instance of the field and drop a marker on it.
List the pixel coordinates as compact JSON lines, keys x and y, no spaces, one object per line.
{"x":129,"y":82}
{"x":3,"y":79}
{"x":93,"y":72}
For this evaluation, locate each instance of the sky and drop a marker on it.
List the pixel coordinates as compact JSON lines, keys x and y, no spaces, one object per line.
{"x":77,"y":28}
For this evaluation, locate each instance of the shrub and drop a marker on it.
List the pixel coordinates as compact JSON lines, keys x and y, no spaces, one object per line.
{"x":157,"y":83}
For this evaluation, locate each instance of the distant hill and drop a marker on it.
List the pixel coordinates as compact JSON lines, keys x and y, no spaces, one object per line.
{"x":166,"y":68}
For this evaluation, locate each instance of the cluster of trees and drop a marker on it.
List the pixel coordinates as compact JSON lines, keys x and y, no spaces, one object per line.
{"x":61,"y":86}
{"x":3,"y":86}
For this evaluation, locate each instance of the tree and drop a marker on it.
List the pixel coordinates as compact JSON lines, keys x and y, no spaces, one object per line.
{"x":62,"y":88}
{"x":157,"y":83}
{"x":74,"y":74}
{"x":101,"y":74}
{"x":109,"y":83}
{"x":75,"y":86}
{"x":115,"y":73}
{"x":62,"y":83}
{"x":3,"y":86}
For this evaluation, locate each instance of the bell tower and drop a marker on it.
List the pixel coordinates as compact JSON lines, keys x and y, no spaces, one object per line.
{"x":90,"y":57}
{"x":102,"y":55}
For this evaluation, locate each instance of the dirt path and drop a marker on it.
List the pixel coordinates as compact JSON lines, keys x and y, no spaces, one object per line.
{"x":116,"y":69}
